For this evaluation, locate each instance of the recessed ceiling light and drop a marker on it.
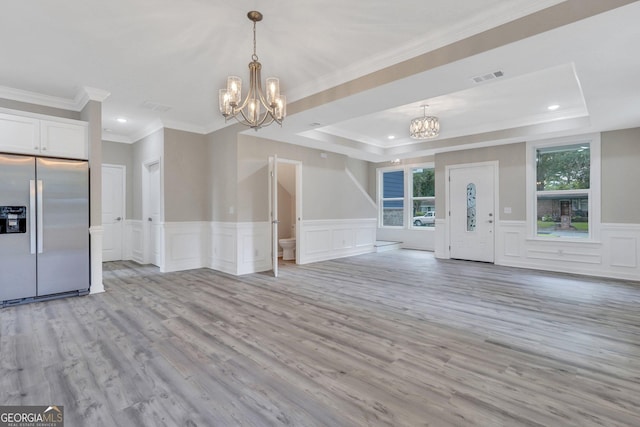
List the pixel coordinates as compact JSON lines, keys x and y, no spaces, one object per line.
{"x":121,"y":120}
{"x":553,"y":107}
{"x":391,"y":137}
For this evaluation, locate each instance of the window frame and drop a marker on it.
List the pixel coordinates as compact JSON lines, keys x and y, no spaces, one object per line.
{"x":409,"y":177}
{"x":408,"y":195}
{"x":593,"y":192}
{"x":381,"y":198}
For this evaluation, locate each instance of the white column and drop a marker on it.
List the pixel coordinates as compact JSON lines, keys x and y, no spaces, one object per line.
{"x":96,"y":233}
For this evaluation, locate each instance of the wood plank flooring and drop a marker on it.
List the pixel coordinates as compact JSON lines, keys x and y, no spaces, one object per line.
{"x":387,"y":339}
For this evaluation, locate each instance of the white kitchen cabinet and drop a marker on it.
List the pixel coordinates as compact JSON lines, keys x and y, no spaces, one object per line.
{"x":19,"y":134}
{"x":63,"y":139}
{"x":40,"y":136}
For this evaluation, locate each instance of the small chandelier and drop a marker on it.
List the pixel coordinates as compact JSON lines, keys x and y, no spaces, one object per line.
{"x":248,"y":111}
{"x":424,"y":127}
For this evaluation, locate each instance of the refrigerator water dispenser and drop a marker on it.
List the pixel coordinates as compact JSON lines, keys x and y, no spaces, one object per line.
{"x":13,"y":219}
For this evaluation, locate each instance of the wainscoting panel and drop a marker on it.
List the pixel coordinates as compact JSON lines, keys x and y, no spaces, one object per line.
{"x":254,"y":247}
{"x":441,"y":244}
{"x":616,"y":255}
{"x":329,"y":239}
{"x":185,"y":245}
{"x":134,"y":240}
{"x":621,"y":249}
{"x":222,"y":247}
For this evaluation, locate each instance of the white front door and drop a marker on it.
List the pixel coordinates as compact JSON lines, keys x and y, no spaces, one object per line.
{"x":472,"y":212}
{"x":113,"y":184}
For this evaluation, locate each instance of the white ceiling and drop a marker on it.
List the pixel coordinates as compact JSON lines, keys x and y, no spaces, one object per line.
{"x":178,"y":54}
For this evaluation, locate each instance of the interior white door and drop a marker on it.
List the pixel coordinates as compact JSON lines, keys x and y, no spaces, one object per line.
{"x":472,"y":216}
{"x":113,"y":206}
{"x":273,"y":208}
{"x":153,"y":212}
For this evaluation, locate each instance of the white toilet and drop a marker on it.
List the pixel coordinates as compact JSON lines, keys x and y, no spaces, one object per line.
{"x":288,"y":248}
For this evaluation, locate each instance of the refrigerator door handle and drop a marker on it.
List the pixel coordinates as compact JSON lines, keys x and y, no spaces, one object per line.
{"x":40,"y":217}
{"x":32,"y":215}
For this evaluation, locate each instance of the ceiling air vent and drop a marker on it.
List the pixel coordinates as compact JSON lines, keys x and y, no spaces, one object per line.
{"x":154,"y":106}
{"x":486,"y":77}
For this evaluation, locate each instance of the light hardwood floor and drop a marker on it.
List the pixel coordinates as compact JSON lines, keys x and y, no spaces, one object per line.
{"x":394,"y":338}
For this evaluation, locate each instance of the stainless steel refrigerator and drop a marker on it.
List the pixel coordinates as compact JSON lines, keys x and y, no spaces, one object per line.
{"x":44,"y":228}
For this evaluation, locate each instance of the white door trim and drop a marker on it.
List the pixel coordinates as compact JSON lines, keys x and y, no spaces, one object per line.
{"x":298,"y":219}
{"x":146,"y":209}
{"x":496,"y":197}
{"x":273,"y":211}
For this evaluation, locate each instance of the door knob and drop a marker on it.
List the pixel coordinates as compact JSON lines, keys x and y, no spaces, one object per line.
{"x":119,"y":219}
{"x":490,"y":221}
{"x":149,"y":219}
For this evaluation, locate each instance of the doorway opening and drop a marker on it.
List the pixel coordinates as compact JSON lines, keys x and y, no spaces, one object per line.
{"x":286,"y":210}
{"x":152,"y":212}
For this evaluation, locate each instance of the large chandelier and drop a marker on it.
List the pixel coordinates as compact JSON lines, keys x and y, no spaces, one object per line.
{"x":248,"y":112}
{"x":424,"y":127}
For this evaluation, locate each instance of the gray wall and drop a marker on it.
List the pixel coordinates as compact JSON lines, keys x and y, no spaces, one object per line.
{"x":512,"y":176}
{"x":115,"y":153}
{"x":620,"y":176}
{"x":186,"y":172}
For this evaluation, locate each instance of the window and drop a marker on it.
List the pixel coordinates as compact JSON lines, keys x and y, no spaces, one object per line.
{"x":566,"y":189}
{"x":407,"y":197}
{"x":393,"y":198}
{"x":423,"y":197}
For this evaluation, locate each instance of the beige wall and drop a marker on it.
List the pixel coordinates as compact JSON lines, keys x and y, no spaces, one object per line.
{"x":222,"y":158}
{"x":40,"y":109}
{"x":186,"y":173}
{"x":286,"y":213}
{"x":512,"y":176}
{"x":360,"y":171}
{"x":149,"y":148}
{"x":92,"y":113}
{"x":327,"y":191}
{"x":620,"y":176}
{"x":115,"y":153}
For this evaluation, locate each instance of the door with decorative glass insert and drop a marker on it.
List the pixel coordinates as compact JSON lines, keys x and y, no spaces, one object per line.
{"x":472,"y":215}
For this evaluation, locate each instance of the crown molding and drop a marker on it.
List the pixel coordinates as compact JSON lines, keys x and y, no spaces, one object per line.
{"x":185,"y":127}
{"x":134,"y":137}
{"x":37,"y":98}
{"x":87,"y":94}
{"x":84,"y":95}
{"x":116,"y":137}
{"x":153,"y":127}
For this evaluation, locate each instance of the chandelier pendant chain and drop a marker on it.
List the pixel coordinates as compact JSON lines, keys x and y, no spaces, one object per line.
{"x":255,"y":55}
